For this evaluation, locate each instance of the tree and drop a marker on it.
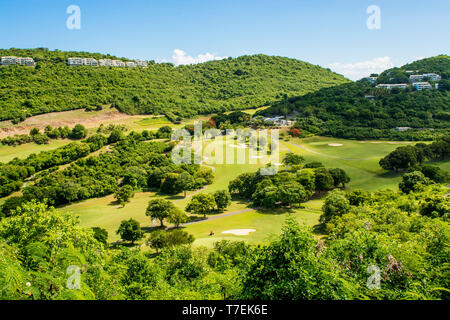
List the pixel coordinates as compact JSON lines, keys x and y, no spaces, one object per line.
{"x":435,"y":206}
{"x":291,"y":192}
{"x":78,"y":132}
{"x":299,"y":268}
{"x":222,"y":198}
{"x":201,"y":204}
{"x":159,"y":209}
{"x":400,"y":159}
{"x":323,"y":179}
{"x":130,"y":230}
{"x":358,"y":197}
{"x":157,"y":240}
{"x":177,"y":217}
{"x":339,"y":177}
{"x":115,"y":136}
{"x":179,"y":237}
{"x":160,"y":239}
{"x":413,"y":181}
{"x":293,"y":159}
{"x":184,"y":182}
{"x":336,"y":204}
{"x":204,"y":174}
{"x":100,"y":234}
{"x":124,"y":194}
{"x":169,"y":183}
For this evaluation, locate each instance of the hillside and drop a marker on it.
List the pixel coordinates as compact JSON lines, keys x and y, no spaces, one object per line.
{"x":439,"y":64}
{"x":345,"y":111}
{"x":183,"y":91}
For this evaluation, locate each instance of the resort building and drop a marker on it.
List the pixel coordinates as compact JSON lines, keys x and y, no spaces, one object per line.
{"x":420,"y":77}
{"x":131,"y":64}
{"x":141,"y":63}
{"x":29,"y":62}
{"x":390,"y":86}
{"x":75,"y":62}
{"x":105,"y":62}
{"x":90,"y":62}
{"x":10,"y":61}
{"x":118,"y":63}
{"x":432,"y":76}
{"x":422,"y":86}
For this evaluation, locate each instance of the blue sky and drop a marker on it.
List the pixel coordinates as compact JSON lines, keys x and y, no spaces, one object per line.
{"x":331,"y":33}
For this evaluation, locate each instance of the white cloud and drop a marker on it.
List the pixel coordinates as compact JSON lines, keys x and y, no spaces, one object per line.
{"x":180,"y":57}
{"x":358,"y":70}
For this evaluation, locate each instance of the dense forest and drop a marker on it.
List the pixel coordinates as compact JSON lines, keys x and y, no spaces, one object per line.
{"x":162,"y":88}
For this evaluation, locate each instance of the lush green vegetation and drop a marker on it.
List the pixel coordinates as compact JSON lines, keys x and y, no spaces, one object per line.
{"x":361,"y":111}
{"x":343,"y":111}
{"x":407,"y":259}
{"x":406,"y":157}
{"x":183,"y":91}
{"x":439,"y":64}
{"x":78,"y":132}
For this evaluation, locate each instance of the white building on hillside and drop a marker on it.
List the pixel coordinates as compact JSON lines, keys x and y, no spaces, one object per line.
{"x":141,"y":63}
{"x":390,"y":86}
{"x":75,"y":62}
{"x":90,"y":62}
{"x":420,"y":77}
{"x":118,"y":63}
{"x":131,"y":64}
{"x":432,"y":76}
{"x":25,"y":61}
{"x":29,"y":62}
{"x":9,"y":61}
{"x":422,"y":86}
{"x":415,"y":77}
{"x":105,"y":62}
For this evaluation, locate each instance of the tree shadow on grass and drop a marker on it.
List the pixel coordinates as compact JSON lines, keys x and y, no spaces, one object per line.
{"x":148,"y":230}
{"x":114,"y":203}
{"x":276,"y":211}
{"x":319,"y":229}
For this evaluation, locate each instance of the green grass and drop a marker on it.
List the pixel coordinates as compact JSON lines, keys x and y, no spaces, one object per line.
{"x":7,"y":153}
{"x":267,"y":224}
{"x":358,"y":159}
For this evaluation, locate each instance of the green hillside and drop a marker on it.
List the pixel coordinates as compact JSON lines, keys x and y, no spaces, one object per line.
{"x":359,"y":110}
{"x":439,"y":64}
{"x":233,"y":83}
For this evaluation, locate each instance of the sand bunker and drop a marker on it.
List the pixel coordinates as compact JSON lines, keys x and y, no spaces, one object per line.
{"x":239,"y":232}
{"x":335,"y":144}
